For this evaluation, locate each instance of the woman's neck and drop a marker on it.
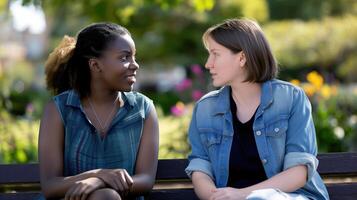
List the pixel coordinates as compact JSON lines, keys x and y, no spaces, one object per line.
{"x":101,"y":95}
{"x":246,"y":93}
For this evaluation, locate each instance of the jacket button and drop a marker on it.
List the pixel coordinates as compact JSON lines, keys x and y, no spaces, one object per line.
{"x":276,"y":129}
{"x":258,"y":133}
{"x":264,"y":161}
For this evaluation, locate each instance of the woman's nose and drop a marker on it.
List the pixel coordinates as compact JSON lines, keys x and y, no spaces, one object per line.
{"x":208,"y":64}
{"x":134,"y":65}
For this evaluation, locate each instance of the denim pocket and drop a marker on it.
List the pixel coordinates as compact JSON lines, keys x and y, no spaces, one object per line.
{"x":277,"y":128}
{"x":211,"y":137}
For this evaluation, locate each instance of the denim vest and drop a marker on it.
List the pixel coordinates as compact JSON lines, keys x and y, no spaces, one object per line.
{"x":85,"y":150}
{"x":283,"y":129}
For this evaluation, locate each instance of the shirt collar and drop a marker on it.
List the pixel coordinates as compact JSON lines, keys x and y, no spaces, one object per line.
{"x":129,"y":97}
{"x":73,"y":99}
{"x":223,"y":104}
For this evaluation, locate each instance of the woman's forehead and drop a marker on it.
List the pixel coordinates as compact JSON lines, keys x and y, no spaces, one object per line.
{"x":122,"y":43}
{"x":211,"y":44}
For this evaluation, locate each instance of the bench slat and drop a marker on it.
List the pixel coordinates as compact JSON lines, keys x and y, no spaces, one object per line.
{"x":342,"y":191}
{"x":19,"y":173}
{"x":337,"y":163}
{"x":330,"y":164}
{"x":166,"y":170}
{"x":175,"y":194}
{"x":19,"y":177}
{"x":19,"y":196}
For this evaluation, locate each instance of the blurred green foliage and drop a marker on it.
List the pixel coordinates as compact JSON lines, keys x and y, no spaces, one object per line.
{"x":18,"y":138}
{"x":329,"y":45}
{"x":310,"y":9}
{"x":173,"y":134}
{"x":336,"y":123}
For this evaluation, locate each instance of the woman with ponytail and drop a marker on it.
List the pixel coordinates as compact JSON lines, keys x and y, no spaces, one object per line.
{"x":98,"y":138}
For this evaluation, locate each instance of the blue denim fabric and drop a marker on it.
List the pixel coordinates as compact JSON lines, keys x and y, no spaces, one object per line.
{"x":283,"y":129}
{"x":85,"y":150}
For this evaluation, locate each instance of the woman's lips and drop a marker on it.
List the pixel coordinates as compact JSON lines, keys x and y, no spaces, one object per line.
{"x":131,"y":78}
{"x":213,"y":75}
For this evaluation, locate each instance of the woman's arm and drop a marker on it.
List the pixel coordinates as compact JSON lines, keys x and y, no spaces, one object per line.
{"x":51,"y":142}
{"x":202,"y":184}
{"x":287,"y":181}
{"x":146,"y":164}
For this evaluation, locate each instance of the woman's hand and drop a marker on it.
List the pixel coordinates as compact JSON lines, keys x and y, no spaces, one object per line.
{"x":81,"y":189}
{"x":118,"y":179}
{"x":228,"y":193}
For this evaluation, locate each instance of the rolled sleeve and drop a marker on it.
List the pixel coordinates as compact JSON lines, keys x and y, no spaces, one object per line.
{"x":300,"y":158}
{"x":201,"y":165}
{"x":301,"y":147}
{"x":199,"y":159}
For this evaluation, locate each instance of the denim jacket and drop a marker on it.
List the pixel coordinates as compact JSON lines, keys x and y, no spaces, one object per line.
{"x":283,"y":129}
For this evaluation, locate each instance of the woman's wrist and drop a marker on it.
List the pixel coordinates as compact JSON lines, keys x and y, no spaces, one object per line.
{"x":244,"y":192}
{"x":103,"y":184}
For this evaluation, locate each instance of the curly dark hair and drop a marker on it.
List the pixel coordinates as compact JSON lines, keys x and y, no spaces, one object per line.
{"x":74,"y":73}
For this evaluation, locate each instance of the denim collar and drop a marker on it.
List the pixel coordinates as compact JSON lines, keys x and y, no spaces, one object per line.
{"x":223,"y":104}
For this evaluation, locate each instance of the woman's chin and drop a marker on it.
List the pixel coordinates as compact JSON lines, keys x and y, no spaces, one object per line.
{"x":216,"y":84}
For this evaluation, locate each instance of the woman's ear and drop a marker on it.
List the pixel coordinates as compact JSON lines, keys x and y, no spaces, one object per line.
{"x":242,"y":58}
{"x":94,"y":65}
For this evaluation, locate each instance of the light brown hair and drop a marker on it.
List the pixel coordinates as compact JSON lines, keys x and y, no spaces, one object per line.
{"x":246,"y":35}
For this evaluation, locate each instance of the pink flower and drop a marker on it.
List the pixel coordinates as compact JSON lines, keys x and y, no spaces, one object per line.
{"x":178,"y":109}
{"x":196,"y":69}
{"x":196,"y":95}
{"x":184,"y":84}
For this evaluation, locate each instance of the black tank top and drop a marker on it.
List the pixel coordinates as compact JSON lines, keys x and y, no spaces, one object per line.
{"x":245,"y":166}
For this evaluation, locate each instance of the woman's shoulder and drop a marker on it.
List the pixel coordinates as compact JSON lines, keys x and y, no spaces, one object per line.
{"x":66,"y":94}
{"x":279,"y":86}
{"x":214,"y":101}
{"x":212,"y":95}
{"x":136,"y":96}
{"x":287,"y":92}
{"x":68,"y":97}
{"x":137,"y":99}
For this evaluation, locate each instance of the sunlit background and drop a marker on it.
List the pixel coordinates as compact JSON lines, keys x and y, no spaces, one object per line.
{"x":315,"y":42}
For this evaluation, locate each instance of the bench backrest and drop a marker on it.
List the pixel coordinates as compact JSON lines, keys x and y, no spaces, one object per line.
{"x":173,"y":183}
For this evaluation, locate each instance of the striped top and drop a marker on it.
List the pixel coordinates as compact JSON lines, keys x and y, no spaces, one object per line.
{"x":85,"y":150}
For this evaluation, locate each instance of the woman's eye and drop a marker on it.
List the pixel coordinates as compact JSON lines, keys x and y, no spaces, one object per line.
{"x":123,"y":58}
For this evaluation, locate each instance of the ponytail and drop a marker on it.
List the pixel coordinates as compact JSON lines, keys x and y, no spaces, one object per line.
{"x":67,"y":66}
{"x":56,"y":66}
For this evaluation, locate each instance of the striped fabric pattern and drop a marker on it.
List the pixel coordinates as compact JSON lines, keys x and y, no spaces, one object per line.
{"x":85,"y":150}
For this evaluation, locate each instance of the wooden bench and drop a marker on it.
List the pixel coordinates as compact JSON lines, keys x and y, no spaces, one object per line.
{"x":21,"y":182}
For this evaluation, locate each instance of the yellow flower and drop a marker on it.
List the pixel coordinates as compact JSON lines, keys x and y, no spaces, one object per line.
{"x":326,"y":91}
{"x":295,"y":82}
{"x":309,"y":89}
{"x":315,"y":79}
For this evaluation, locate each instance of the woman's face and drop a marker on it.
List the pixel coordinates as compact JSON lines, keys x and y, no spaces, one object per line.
{"x":224,"y":66}
{"x":118,"y":64}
